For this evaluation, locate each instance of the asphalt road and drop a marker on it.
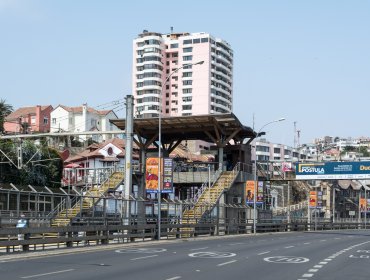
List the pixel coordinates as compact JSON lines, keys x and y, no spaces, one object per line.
{"x":303,"y":255}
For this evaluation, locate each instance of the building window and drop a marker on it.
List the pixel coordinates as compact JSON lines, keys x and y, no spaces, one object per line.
{"x":174,"y":46}
{"x":276,"y":150}
{"x":186,"y":107}
{"x":187,"y":57}
{"x":186,"y":42}
{"x":196,"y":41}
{"x":189,"y":49}
{"x":54,"y":120}
{"x":187,"y":74}
{"x":175,"y":54}
{"x":204,"y":40}
{"x":46,"y":120}
{"x":187,"y":90}
{"x":263,"y":149}
{"x":187,"y":82}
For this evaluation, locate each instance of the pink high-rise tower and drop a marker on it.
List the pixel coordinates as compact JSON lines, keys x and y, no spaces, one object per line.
{"x":193,"y":90}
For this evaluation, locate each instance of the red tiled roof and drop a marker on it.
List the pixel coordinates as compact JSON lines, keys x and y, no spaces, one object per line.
{"x":92,"y":151}
{"x":24,"y":111}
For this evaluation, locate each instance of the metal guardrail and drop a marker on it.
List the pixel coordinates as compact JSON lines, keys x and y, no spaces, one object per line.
{"x":108,"y":231}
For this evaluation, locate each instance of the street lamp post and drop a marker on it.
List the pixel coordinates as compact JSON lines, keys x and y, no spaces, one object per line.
{"x":255,"y":175}
{"x":160,"y":140}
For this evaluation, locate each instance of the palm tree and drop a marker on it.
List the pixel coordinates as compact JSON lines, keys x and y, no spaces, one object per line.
{"x":5,"y":109}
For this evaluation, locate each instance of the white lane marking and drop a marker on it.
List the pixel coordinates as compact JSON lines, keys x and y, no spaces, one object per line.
{"x":225,"y":263}
{"x":323,"y":262}
{"x":195,"y":249}
{"x":313,"y":270}
{"x":49,"y":273}
{"x":263,"y":253}
{"x":318,"y":266}
{"x":307,"y":275}
{"x":174,"y":278}
{"x":328,"y":260}
{"x":146,"y":257}
{"x":235,"y":244}
{"x":287,"y":247}
{"x":307,"y":243}
{"x":323,"y":240}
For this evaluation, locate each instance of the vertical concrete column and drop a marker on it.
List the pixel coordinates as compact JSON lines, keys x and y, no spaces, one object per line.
{"x":220,"y":158}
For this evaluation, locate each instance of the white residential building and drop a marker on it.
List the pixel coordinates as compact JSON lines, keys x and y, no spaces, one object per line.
{"x":81,"y":119}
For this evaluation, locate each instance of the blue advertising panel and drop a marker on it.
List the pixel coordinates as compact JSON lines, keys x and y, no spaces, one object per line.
{"x":333,"y":170}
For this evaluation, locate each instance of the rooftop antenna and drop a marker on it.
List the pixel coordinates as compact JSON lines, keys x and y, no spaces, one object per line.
{"x":295,"y":135}
{"x":171,"y":29}
{"x":298,"y":136}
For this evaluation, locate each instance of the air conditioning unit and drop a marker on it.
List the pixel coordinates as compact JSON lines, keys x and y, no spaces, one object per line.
{"x":237,"y":200}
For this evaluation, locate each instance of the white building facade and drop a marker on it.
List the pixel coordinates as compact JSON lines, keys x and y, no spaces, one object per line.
{"x":81,"y":119}
{"x":192,"y":90}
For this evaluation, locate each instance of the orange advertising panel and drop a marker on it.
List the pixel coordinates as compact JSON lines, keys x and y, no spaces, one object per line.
{"x":313,"y":199}
{"x":151,"y":174}
{"x":363,"y":205}
{"x":249,"y":192}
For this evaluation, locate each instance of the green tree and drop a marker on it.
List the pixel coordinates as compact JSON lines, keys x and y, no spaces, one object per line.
{"x":5,"y":109}
{"x":42,"y":165}
{"x":363,"y":150}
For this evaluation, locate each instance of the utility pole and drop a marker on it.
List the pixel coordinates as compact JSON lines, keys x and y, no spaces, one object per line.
{"x":128,"y":150}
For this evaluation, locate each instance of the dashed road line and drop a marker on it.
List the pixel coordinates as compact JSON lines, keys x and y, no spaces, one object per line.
{"x":316,"y":268}
{"x":195,"y":249}
{"x":46,"y":274}
{"x":146,"y":257}
{"x":263,"y":253}
{"x":174,"y":278}
{"x":225,"y":263}
{"x":288,"y":247}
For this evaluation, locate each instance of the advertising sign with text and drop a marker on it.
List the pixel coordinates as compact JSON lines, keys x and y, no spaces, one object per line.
{"x":333,"y":170}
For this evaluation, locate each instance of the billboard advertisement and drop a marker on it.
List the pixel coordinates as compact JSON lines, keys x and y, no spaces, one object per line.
{"x":315,"y":199}
{"x":249,"y":192}
{"x":151,"y":175}
{"x":167,"y":185}
{"x":364,"y":205}
{"x":333,"y":170}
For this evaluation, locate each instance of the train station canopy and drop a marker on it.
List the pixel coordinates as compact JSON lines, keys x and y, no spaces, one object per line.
{"x":219,"y":129}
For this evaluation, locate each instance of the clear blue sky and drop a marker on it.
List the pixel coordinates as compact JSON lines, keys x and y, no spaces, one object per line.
{"x":307,"y":61}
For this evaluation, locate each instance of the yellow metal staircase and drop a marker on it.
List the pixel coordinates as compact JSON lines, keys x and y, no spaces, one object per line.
{"x":91,"y":197}
{"x":207,"y":200}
